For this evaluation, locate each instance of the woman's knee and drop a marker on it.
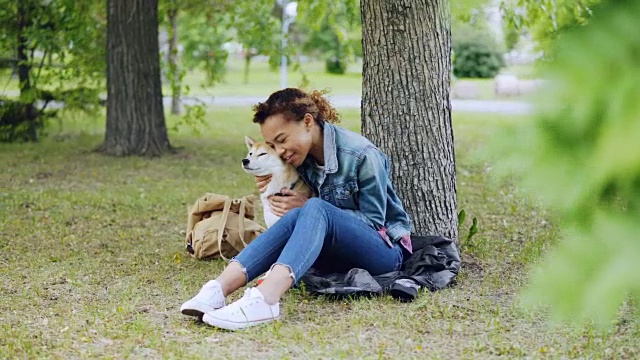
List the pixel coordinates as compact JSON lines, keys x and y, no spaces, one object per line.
{"x":315,"y":208}
{"x":314,"y":204}
{"x":293,"y":213}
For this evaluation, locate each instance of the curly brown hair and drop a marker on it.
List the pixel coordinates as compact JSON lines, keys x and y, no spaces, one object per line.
{"x":294,"y":103}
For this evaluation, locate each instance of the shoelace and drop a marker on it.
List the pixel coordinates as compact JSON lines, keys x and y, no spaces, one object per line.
{"x":213,"y":294}
{"x":245,"y":301}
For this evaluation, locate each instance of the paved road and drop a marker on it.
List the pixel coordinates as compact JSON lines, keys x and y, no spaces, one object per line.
{"x":353,"y":101}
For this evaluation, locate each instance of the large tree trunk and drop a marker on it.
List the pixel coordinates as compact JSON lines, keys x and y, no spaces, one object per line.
{"x":135,"y":116}
{"x":406,"y":109}
{"x":172,"y":59}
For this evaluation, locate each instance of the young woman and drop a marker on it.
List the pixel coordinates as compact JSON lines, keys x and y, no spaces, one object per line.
{"x":356,"y":221}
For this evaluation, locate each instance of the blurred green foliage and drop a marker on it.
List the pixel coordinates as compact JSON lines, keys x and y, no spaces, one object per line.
{"x":258,"y":31}
{"x":330,"y":43}
{"x":476,"y":53}
{"x":202,"y":36}
{"x":332,"y":31}
{"x":582,"y":157}
{"x":545,"y":19}
{"x":511,"y":36}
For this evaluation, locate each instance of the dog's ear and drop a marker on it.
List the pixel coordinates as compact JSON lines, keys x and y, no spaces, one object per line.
{"x":249,"y":141}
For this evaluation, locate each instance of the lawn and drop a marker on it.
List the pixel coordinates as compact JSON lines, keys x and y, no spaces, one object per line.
{"x":264,"y":80}
{"x":92,"y":262}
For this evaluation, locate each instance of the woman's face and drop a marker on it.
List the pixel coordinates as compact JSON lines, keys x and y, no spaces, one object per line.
{"x":291,"y":139}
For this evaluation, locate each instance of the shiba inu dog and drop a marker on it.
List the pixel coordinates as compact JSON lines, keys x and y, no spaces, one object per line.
{"x":263,"y":160}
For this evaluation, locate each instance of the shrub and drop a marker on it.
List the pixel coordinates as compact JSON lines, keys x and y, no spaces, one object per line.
{"x":335,"y":65}
{"x":476,"y":54}
{"x":25,"y":121}
{"x":19,"y":122}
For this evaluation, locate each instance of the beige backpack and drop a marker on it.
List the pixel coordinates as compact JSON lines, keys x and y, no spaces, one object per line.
{"x":219,"y":226}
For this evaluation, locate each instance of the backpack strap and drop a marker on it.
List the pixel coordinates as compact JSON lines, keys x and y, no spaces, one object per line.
{"x":223,"y":224}
{"x":241,"y":214}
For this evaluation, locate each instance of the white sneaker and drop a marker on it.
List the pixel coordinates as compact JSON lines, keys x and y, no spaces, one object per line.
{"x":209,"y":298}
{"x":249,"y":311}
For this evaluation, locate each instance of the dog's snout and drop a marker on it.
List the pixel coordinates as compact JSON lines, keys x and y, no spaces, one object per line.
{"x":245,"y":162}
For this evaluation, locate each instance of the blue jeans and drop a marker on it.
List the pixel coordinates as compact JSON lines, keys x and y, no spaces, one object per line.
{"x":320,"y":235}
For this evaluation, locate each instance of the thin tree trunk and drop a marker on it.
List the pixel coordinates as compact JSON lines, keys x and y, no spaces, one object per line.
{"x":247,"y":63}
{"x":406,"y":109}
{"x":172,"y":57}
{"x":135,"y":116}
{"x":24,"y":69}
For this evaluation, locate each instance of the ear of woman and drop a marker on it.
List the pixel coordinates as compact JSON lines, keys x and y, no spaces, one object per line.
{"x":308,"y":121}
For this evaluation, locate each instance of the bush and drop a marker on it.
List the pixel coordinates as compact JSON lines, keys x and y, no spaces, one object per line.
{"x":19,"y":122}
{"x":335,"y":65}
{"x":476,"y":54}
{"x":25,"y":121}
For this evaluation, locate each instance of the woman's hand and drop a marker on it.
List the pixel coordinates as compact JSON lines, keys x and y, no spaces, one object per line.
{"x":280,"y":205}
{"x":262,"y":182}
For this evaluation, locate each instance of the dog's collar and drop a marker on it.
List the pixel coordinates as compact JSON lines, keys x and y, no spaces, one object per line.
{"x":290,"y":188}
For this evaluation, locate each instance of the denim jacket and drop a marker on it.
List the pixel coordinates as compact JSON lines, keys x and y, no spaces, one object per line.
{"x":356,"y":178}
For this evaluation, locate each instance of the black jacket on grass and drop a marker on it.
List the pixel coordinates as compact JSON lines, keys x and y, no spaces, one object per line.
{"x":434,"y":264}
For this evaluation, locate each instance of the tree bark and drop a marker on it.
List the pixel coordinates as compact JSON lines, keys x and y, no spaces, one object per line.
{"x":135,"y":116}
{"x":406,"y":108}
{"x":172,"y":59}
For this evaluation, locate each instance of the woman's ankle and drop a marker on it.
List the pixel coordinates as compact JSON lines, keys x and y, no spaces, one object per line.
{"x":232,"y":278}
{"x":279,"y":280}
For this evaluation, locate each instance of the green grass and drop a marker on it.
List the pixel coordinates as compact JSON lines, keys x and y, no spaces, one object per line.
{"x":92,"y":262}
{"x":521,"y":71}
{"x":263,"y":80}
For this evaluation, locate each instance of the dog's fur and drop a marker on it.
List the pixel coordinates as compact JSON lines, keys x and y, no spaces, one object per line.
{"x":263,"y":160}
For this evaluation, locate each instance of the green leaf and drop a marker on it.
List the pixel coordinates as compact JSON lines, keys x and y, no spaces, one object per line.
{"x":473,"y":229}
{"x":462,"y":215}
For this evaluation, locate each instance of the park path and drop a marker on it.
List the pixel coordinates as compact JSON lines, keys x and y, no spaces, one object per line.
{"x":351,"y":101}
